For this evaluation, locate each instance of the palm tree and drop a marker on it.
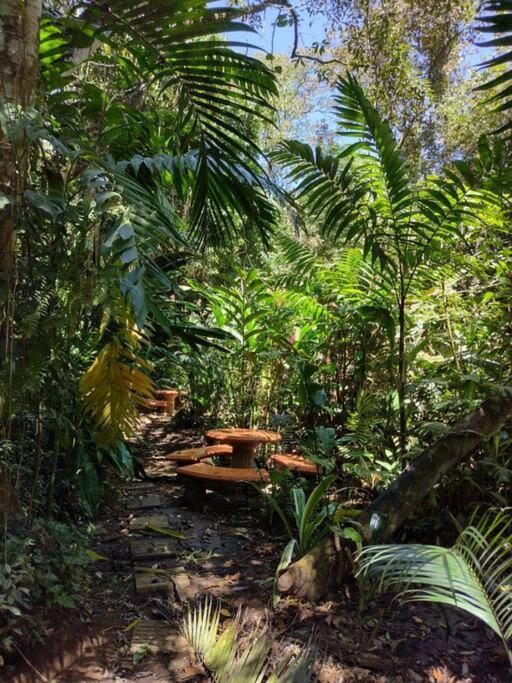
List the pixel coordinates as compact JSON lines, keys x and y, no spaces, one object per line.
{"x":365,"y":195}
{"x":193,"y":175}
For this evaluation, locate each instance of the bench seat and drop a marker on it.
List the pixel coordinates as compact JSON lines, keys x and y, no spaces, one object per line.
{"x":229,"y":475}
{"x":151,"y":404}
{"x":294,"y":463}
{"x":194,"y":455}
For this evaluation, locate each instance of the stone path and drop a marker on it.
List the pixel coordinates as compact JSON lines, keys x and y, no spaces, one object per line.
{"x":157,"y":570}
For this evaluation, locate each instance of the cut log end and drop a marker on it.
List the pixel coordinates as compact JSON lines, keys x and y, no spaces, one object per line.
{"x":310,"y":577}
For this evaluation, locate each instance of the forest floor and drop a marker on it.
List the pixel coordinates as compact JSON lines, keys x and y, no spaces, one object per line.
{"x":229,"y":553}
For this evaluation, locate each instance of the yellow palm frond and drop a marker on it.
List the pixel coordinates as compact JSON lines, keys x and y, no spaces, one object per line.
{"x":115,"y":386}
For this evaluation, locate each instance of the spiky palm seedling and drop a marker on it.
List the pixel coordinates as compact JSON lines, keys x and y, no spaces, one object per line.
{"x":224,"y":657}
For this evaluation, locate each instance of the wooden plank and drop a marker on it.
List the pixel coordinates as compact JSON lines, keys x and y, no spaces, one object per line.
{"x":140,"y":523}
{"x":139,"y":486}
{"x":158,"y":636}
{"x":159,"y":580}
{"x":152,"y":583}
{"x":181,"y":583}
{"x":144,"y":501}
{"x":152,"y":548}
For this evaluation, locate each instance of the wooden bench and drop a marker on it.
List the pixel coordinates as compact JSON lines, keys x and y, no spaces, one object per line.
{"x":200,"y":476}
{"x":165,"y":401}
{"x":151,"y":405}
{"x":295,"y":463}
{"x":194,"y":455}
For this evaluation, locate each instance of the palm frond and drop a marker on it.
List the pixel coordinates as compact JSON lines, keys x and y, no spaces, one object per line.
{"x":375,"y":147}
{"x":217,"y":90}
{"x":474,"y":575}
{"x":116,"y":385}
{"x":496,"y":18}
{"x":326,"y":186}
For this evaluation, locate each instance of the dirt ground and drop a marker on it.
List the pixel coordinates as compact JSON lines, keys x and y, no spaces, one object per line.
{"x":229,"y":553}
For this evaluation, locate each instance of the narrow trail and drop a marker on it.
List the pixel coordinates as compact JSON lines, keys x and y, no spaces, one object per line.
{"x":128,"y":627}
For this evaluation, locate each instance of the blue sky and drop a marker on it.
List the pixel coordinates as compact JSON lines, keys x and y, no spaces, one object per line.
{"x":311,"y":30}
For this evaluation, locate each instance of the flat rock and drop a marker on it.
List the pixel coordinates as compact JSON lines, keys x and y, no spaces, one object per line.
{"x":159,"y":636}
{"x":140,"y":523}
{"x":144,"y":501}
{"x":152,"y":548}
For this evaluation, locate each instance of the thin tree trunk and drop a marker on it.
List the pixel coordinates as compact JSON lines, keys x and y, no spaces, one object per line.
{"x":310,"y":576}
{"x":402,"y":378}
{"x":19,"y":65}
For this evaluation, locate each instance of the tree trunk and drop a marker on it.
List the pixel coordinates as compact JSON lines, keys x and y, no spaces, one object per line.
{"x":311,"y":575}
{"x":19,"y":64}
{"x":402,"y":377}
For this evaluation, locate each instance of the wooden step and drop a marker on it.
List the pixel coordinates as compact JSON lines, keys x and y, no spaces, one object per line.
{"x":140,"y":523}
{"x":163,"y":580}
{"x":159,"y":636}
{"x":139,"y":486}
{"x":143,"y":500}
{"x":152,"y":548}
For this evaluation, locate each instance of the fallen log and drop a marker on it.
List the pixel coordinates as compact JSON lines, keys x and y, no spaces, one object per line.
{"x":311,"y":576}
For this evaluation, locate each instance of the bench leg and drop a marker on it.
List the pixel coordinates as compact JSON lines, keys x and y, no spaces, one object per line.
{"x":194,"y":492}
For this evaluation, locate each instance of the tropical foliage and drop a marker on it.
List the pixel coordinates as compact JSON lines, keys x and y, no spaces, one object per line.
{"x":349,"y":288}
{"x":473,"y":575}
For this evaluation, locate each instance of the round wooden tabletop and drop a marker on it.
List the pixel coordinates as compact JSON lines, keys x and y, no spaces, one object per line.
{"x":243,"y":436}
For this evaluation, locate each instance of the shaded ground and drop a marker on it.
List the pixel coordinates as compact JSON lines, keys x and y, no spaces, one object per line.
{"x":230,"y":553}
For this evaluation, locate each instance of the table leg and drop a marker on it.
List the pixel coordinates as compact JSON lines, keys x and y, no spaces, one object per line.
{"x":243,"y":455}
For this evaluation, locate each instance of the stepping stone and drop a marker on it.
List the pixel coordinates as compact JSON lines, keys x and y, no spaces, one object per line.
{"x":152,"y":548}
{"x":140,"y":523}
{"x":144,"y":501}
{"x":158,"y":636}
{"x":147,"y":582}
{"x":136,"y":486}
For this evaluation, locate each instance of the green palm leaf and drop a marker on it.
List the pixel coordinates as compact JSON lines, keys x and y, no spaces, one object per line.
{"x":215,"y":90}
{"x":474,"y":575}
{"x":380,"y":160}
{"x":496,"y":18}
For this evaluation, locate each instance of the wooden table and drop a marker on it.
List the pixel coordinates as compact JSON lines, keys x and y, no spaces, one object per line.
{"x":169,"y":396}
{"x":244,"y":442}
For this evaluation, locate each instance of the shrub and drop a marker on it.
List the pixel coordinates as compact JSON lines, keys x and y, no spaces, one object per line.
{"x":45,"y":567}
